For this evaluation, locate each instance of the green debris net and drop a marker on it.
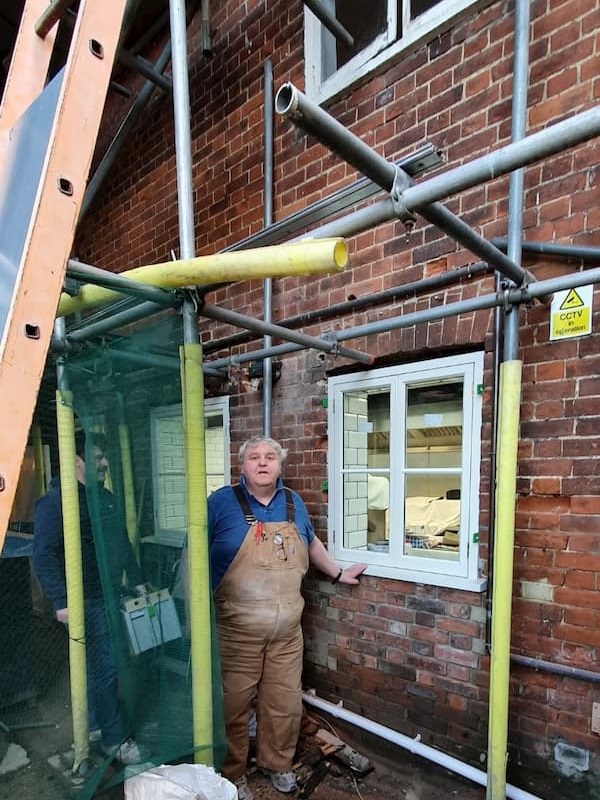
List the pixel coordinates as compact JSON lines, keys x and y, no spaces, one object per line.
{"x":116,"y":387}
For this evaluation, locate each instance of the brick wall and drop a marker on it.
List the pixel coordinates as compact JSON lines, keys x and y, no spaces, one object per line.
{"x":407,"y":655}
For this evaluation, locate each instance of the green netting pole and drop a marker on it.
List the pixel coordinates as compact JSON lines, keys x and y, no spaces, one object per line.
{"x":192,"y":385}
{"x":128,"y":486}
{"x":65,"y":422}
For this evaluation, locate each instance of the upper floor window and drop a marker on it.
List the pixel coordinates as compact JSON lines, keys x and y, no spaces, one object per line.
{"x":404,"y":470}
{"x":388,"y":28}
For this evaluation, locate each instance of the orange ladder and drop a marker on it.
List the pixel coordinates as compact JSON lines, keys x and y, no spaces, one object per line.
{"x":47,"y":137}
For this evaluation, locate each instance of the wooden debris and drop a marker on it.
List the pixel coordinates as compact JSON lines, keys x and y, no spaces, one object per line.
{"x":328,"y":738}
{"x":327,"y":754}
{"x":315,"y":777}
{"x":329,"y":749}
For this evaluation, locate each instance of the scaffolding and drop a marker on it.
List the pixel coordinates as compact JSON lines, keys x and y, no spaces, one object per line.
{"x":329,"y":220}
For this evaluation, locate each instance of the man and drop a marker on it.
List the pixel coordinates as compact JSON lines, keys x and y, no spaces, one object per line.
{"x":261,"y":543}
{"x":49,"y":567}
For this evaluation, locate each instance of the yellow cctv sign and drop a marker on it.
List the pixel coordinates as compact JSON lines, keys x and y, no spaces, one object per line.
{"x":571,"y":313}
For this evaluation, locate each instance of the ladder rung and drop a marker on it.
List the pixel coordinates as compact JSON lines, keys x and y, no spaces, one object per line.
{"x":51,"y":16}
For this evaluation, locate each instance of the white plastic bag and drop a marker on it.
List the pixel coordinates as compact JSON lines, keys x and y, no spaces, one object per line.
{"x":179,"y":782}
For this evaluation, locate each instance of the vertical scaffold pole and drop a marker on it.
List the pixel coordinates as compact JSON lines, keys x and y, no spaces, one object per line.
{"x":504,"y":538}
{"x":65,"y":422}
{"x":192,"y":384}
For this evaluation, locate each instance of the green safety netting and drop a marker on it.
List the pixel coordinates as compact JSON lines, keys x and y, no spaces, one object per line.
{"x":128,"y":389}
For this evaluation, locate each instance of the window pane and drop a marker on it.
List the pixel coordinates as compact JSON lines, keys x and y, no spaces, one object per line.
{"x":434,"y":424}
{"x":433,"y":460}
{"x":366,"y":462}
{"x":418,"y":7}
{"x":170,"y":472}
{"x":363,"y":28}
{"x":214,"y":436}
{"x":169,"y":463}
{"x":431,"y":526}
{"x":171,"y":502}
{"x":355,"y":511}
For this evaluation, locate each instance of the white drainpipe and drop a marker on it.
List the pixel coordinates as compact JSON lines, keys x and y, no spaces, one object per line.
{"x":413,"y":745}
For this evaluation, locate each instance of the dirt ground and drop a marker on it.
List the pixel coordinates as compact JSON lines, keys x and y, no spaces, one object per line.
{"x":408,"y":778}
{"x":404,"y":778}
{"x":42,"y":726}
{"x":396,"y":773}
{"x":395,"y":776}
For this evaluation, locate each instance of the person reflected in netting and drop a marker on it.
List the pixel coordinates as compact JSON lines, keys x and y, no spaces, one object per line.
{"x":261,"y":543}
{"x":105,"y":720}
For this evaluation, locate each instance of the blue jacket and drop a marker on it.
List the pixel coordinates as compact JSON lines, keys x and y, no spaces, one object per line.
{"x":48,"y":558}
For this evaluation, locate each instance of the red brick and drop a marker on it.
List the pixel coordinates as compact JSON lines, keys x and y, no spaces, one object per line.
{"x":575,"y":598}
{"x":546,"y":486}
{"x":578,"y":635}
{"x":585,"y":505}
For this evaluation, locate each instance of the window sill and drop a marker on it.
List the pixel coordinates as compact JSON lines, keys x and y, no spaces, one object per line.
{"x":427,"y":578}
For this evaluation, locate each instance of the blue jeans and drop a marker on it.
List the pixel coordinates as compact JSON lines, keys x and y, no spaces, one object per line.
{"x":102,"y":683}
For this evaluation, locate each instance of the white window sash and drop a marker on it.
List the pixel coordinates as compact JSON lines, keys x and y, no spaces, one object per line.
{"x":395,"y":563}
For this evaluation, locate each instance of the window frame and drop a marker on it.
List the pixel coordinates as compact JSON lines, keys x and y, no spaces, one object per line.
{"x":394,"y":563}
{"x":431,"y":23}
{"x":212,"y":405}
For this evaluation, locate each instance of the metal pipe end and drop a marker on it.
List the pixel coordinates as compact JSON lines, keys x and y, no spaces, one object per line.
{"x":286,"y":100}
{"x":206,"y":38}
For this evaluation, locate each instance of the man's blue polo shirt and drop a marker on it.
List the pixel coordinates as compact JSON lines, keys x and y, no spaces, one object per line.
{"x":227,"y":527}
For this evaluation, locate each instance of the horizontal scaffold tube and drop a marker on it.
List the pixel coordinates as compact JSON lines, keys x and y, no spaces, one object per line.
{"x":302,"y":258}
{"x":294,"y":105}
{"x":258,"y":326}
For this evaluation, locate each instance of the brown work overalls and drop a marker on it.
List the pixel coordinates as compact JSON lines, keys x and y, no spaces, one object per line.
{"x":258,"y":609}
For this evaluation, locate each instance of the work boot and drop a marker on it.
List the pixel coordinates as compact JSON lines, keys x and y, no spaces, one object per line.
{"x":244,"y":792}
{"x":283,"y":781}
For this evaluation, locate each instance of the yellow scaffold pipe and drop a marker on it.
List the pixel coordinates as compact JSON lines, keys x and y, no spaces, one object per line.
{"x":128,"y":483}
{"x":504,"y":538}
{"x":74,"y":574}
{"x":310,"y":257}
{"x":192,"y":382}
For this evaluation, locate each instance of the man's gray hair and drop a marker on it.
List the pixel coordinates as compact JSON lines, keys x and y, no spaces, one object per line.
{"x":255,"y":440}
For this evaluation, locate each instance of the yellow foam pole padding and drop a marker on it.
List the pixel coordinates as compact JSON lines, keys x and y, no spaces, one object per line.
{"x":310,"y":257}
{"x":38,"y":457}
{"x":192,"y":382}
{"x":504,"y":537}
{"x":128,"y":490}
{"x":74,"y":574}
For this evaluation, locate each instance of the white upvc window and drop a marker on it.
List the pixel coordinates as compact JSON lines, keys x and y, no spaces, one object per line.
{"x":404,"y":469}
{"x":387,"y":28}
{"x":168,"y":464}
